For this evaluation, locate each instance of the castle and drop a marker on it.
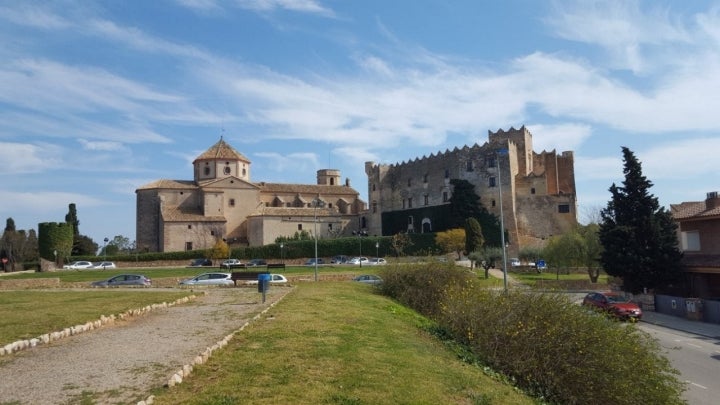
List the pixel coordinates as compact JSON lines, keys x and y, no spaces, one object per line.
{"x":221,"y":202}
{"x":535,"y":190}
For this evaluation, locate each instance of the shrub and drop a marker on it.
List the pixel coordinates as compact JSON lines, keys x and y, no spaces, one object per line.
{"x":546,"y":344}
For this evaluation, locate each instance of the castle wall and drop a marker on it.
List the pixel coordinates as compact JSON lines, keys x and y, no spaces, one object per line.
{"x":147,"y":220}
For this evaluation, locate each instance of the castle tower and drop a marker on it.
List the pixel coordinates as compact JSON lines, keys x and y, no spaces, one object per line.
{"x":328,"y":177}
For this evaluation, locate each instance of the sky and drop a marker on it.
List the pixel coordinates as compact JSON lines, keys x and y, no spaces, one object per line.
{"x":98,"y":98}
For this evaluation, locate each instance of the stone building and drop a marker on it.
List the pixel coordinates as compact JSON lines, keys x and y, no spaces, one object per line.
{"x":221,"y":202}
{"x":538,"y":189}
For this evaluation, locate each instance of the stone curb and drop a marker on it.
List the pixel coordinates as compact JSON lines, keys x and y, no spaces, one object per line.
{"x":85,"y":327}
{"x":202,"y":358}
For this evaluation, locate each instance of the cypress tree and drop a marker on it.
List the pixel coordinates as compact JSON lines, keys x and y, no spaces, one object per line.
{"x":638,"y":236}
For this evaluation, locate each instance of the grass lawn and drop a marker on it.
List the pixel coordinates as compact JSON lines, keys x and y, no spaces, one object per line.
{"x":29,"y":313}
{"x":338,"y":343}
{"x":532,"y":278}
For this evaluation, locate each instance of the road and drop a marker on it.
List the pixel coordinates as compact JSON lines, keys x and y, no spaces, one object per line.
{"x":697,"y":358}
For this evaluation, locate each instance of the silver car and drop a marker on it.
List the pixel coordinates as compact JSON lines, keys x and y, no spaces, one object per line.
{"x":209,"y":279}
{"x":124,"y":279}
{"x":368,"y":279}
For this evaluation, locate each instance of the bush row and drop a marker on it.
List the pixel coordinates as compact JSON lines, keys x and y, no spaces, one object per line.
{"x":545,"y":344}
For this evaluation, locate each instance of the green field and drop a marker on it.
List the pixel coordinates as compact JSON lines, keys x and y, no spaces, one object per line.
{"x":338,"y":343}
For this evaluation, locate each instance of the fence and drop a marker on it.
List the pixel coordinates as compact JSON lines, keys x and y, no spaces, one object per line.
{"x":706,"y":310}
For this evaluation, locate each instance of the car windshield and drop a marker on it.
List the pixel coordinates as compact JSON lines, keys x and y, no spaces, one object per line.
{"x":617,"y":298}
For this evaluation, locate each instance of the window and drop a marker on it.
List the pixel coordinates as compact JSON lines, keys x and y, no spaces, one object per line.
{"x":445,"y":196}
{"x":447,"y":173}
{"x":404,"y":203}
{"x":425,"y":199}
{"x":409,"y":182}
{"x":244,"y":171}
{"x":410,"y":202}
{"x":492,"y":182}
{"x":374,"y":207}
{"x":188,"y":246}
{"x":332,"y":181}
{"x":532,"y":190}
{"x":299,"y":227}
{"x":491,"y":162}
{"x":189,"y":226}
{"x":227,"y":170}
{"x":330,"y":227}
{"x":564,"y":208}
{"x":469,"y":166}
{"x":410,"y":220}
{"x":232,"y":202}
{"x":690,"y":240}
{"x":425,"y":177}
{"x":493,"y":203}
{"x":207,"y":171}
{"x":373,"y":187}
{"x":212,"y":233}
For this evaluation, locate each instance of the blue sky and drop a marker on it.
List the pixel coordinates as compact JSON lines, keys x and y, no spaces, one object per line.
{"x":99,"y":98}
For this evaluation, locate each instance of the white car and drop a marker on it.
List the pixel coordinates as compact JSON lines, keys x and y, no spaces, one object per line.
{"x":79,"y":265}
{"x":376,"y":261}
{"x":358,"y":260}
{"x":274,"y":279}
{"x":104,"y":265}
{"x":209,"y":279}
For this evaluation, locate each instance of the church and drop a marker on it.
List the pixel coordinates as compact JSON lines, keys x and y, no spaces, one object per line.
{"x":222,"y":203}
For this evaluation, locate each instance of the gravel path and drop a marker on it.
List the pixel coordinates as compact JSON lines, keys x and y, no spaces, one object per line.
{"x":121,"y":363}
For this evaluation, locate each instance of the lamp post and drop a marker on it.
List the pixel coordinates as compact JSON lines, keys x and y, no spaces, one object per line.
{"x":282,"y":260}
{"x":106,"y":240}
{"x":377,"y":252}
{"x":316,"y":203}
{"x":502,"y":221}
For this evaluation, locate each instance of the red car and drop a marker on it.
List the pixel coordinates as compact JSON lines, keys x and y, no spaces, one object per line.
{"x":615,"y":304}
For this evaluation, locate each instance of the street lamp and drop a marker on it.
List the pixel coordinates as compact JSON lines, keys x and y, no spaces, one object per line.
{"x":105,"y":249}
{"x":316,"y":202}
{"x":502,"y":222}
{"x":282,"y":260}
{"x":377,"y":251}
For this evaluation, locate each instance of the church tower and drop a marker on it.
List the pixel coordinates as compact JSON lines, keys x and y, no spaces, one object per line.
{"x":219,"y":161}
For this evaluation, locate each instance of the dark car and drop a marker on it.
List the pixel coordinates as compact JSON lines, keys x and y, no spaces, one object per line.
{"x":614,"y":304}
{"x":368,"y":279}
{"x":311,"y":261}
{"x":256,"y":262}
{"x":124,"y":279}
{"x":201,"y":263}
{"x":339,"y":259}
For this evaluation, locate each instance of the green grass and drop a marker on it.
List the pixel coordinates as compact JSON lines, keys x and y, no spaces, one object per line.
{"x":29,"y":314}
{"x":338,"y":343}
{"x":532,"y":278}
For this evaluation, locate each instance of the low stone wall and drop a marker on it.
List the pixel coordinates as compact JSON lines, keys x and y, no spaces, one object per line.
{"x":26,"y":284}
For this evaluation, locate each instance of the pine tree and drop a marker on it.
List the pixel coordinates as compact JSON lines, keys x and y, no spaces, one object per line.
{"x":638,"y":236}
{"x":465,"y":203}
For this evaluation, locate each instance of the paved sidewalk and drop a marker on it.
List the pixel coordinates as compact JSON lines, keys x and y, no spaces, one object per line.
{"x":711,"y":330}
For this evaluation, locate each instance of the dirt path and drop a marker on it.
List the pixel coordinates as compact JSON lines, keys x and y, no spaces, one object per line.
{"x":121,"y":364}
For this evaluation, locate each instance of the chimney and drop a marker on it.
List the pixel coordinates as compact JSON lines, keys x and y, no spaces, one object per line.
{"x":712,"y":200}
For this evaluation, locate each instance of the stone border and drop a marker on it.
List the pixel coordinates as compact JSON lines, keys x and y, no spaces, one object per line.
{"x":88,"y":326}
{"x":187,"y":369}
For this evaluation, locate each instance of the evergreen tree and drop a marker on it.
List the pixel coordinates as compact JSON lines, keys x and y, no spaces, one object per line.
{"x":473,"y":237}
{"x":465,"y":203}
{"x":638,"y":236}
{"x":72,"y":219}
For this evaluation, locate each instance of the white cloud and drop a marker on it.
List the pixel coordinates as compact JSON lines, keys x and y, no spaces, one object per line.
{"x":104,"y":146}
{"x":303,"y":6}
{"x":276,"y":162}
{"x":33,"y":16}
{"x":29,"y":158}
{"x":559,"y":137}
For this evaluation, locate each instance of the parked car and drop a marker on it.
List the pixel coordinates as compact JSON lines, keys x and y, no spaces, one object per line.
{"x":339,"y":259}
{"x":311,"y":261}
{"x":358,"y":260}
{"x":79,"y":265}
{"x":124,"y":279}
{"x":104,"y":265}
{"x":274,"y":279}
{"x":201,"y":263}
{"x":257,"y":262}
{"x":231,"y":263}
{"x":376,"y":261}
{"x":368,"y":279}
{"x":515,"y":262}
{"x":614,"y":304}
{"x":209,"y":279}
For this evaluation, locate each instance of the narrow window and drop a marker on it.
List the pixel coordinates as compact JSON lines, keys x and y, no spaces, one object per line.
{"x":374,"y":207}
{"x":232,"y":202}
{"x":332,"y":181}
{"x":469,"y":166}
{"x":409,"y":182}
{"x":404,"y":204}
{"x":212,"y":233}
{"x":564,"y":208}
{"x":410,"y":220}
{"x":189,"y":226}
{"x":425,"y":199}
{"x":492,"y":182}
{"x":493,"y":203}
{"x":447,"y":173}
{"x":425,"y":177}
{"x":299,"y":227}
{"x":207,"y":171}
{"x":532,"y":190}
{"x":188,"y":246}
{"x":410,"y":202}
{"x":373,"y":187}
{"x":445,"y":196}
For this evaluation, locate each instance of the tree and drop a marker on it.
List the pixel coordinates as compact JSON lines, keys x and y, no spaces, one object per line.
{"x":638,"y":236}
{"x":487,"y":257}
{"x":72,"y":219}
{"x":400,"y":242}
{"x":452,"y":240}
{"x":465,"y":203}
{"x":474,"y":239}
{"x":221,"y":250}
